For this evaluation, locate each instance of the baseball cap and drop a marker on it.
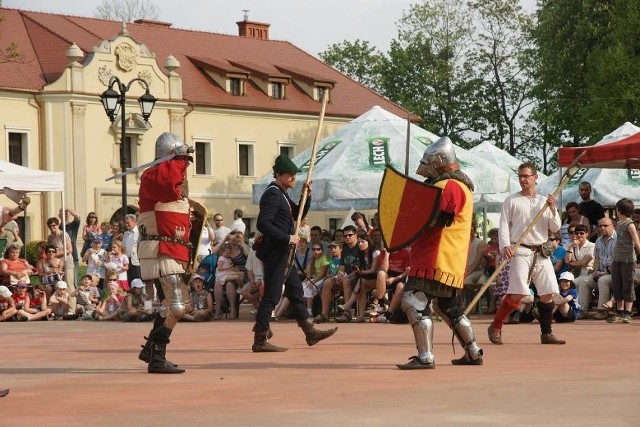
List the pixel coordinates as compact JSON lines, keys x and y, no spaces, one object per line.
{"x":197,"y":276}
{"x":566,"y":275}
{"x":61,"y":285}
{"x":137,"y":283}
{"x":5,"y":292}
{"x":334,"y":243}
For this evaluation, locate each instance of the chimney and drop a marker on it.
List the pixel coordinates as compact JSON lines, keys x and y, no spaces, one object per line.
{"x":251,"y":29}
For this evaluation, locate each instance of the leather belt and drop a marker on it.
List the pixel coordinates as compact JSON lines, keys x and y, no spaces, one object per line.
{"x":534,"y":248}
{"x":165,"y":239}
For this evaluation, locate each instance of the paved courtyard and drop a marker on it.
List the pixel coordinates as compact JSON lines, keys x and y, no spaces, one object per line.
{"x":76,"y":373}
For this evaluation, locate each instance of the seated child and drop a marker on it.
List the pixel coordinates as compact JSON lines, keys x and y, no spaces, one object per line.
{"x":567,"y":308}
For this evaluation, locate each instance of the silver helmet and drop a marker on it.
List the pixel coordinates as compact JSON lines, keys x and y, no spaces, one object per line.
{"x":170,"y":143}
{"x":439,"y":154}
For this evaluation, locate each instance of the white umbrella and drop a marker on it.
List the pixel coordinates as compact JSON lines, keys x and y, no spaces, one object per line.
{"x":350,"y":163}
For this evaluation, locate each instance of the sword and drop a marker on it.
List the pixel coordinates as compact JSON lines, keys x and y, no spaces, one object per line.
{"x":141,"y":167}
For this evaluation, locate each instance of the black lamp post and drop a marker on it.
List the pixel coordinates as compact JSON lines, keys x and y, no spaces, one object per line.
{"x":114,"y":103}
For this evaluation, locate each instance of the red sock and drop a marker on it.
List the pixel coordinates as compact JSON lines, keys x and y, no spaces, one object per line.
{"x":506,"y":307}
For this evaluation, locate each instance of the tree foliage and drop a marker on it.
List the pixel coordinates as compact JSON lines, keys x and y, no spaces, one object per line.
{"x":127,"y":10}
{"x":357,"y":60}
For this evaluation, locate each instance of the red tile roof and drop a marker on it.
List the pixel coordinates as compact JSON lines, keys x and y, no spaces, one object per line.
{"x":43,"y":39}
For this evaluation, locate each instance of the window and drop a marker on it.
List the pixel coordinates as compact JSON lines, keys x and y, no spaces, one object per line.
{"x":203,"y":158}
{"x":235,"y":86}
{"x":131,"y":159}
{"x":287,"y":150}
{"x":276,"y":90}
{"x":334,"y":224}
{"x":17,"y":148}
{"x":245,"y":160}
{"x":321,"y":93}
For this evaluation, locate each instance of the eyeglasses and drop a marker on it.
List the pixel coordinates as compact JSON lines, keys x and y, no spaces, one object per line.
{"x":571,"y":232}
{"x":349,"y":235}
{"x":580,"y":233}
{"x":523,"y":176}
{"x":317,"y":249}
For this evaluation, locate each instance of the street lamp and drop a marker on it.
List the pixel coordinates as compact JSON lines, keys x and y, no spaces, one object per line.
{"x":114,"y":103}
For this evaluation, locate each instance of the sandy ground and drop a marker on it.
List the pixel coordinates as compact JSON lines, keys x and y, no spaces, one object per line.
{"x":76,"y":373}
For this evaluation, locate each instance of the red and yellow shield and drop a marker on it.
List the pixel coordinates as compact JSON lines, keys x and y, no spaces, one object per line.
{"x":406,"y":207}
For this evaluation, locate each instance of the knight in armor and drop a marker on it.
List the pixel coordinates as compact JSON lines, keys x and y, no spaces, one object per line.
{"x":438,"y":260}
{"x":164,"y":248}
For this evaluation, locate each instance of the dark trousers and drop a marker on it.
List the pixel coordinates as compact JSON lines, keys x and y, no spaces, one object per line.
{"x":274,"y":266}
{"x":133,"y":272}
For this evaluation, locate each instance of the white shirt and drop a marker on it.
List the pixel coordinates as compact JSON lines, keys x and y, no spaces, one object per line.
{"x":204,"y":245}
{"x":220,"y":233}
{"x":255,"y":265}
{"x":518,"y":212}
{"x":239,"y":225}
{"x":130,"y":243}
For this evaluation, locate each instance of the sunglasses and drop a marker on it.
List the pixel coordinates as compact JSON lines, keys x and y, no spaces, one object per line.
{"x":317,"y":249}
{"x":349,"y":235}
{"x":580,"y":233}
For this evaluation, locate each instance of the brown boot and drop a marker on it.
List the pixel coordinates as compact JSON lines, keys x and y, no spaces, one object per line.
{"x":495,"y":335}
{"x":261,"y":343}
{"x":550,"y":339}
{"x":312,"y":334}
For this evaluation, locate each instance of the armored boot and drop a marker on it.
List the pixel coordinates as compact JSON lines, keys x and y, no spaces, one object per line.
{"x":313,"y":335}
{"x":472,"y":352}
{"x":422,"y":327}
{"x":261,"y":344}
{"x":158,"y":363}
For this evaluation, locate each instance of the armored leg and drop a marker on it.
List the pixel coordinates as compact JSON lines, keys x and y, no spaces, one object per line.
{"x":158,"y":363}
{"x":460,"y":324}
{"x":416,"y":306}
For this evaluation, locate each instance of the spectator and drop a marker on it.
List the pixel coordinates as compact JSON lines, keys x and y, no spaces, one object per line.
{"x":201,"y":307}
{"x":302,"y":258}
{"x":11,"y":232}
{"x":7,"y":307}
{"x":625,"y":254}
{"x":71,"y":227}
{"x":367,"y":273}
{"x":567,"y":308}
{"x":224,"y":270}
{"x":252,"y":290}
{"x":38,"y":303}
{"x":108,"y":308}
{"x":61,"y":302}
{"x":90,"y":232}
{"x":305,"y":229}
{"x":130,"y":245}
{"x":360,"y":222}
{"x":119,"y":263}
{"x":206,"y":241}
{"x":316,"y":273}
{"x":326,"y":236}
{"x":105,"y":235}
{"x":396,"y":278}
{"x":338,"y":236}
{"x":50,"y":269}
{"x":95,"y":257}
{"x":86,"y":297}
{"x":600,"y":279}
{"x":133,"y":308}
{"x":349,"y":261}
{"x":22,"y":302}
{"x":238,"y":224}
{"x":332,"y":281}
{"x":579,"y":258}
{"x":220,"y":232}
{"x":316,"y":239}
{"x":489,"y":259}
{"x":573,"y":219}
{"x":590,"y":208}
{"x":116,"y":231}
{"x":12,"y":267}
{"x":558,"y":254}
{"x":64,"y":250}
{"x":475,"y":268}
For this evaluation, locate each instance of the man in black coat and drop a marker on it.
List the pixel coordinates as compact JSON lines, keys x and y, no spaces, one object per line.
{"x":276,"y":223}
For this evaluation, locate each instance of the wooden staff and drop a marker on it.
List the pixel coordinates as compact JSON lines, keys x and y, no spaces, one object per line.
{"x":571,"y":170}
{"x":305,"y":187}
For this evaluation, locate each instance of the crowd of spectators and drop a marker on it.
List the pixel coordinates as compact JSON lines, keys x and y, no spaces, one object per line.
{"x":347,"y":275}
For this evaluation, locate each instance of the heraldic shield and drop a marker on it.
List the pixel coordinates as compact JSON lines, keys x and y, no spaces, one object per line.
{"x":406,"y":207}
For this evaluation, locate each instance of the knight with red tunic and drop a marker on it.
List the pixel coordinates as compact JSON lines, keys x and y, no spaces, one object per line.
{"x":164,"y":248}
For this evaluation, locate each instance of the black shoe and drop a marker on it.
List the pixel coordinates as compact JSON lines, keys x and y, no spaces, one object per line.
{"x":415,"y":363}
{"x":145,"y":353}
{"x":466,"y":360}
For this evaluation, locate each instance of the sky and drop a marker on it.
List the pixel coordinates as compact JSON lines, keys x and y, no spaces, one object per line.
{"x":301,"y":22}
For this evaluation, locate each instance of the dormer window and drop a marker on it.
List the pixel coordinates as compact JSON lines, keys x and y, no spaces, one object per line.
{"x":321,"y":92}
{"x":276,"y":90}
{"x":235,"y":86}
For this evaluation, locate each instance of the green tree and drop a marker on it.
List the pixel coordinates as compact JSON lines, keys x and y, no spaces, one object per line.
{"x":357,"y":60}
{"x":127,"y":10}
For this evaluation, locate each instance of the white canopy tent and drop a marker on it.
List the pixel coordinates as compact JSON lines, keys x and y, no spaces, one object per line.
{"x":30,"y":180}
{"x":608,"y":185}
{"x":350,"y":163}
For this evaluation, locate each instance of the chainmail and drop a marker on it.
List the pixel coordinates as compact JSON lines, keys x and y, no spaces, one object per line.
{"x":457,"y":175}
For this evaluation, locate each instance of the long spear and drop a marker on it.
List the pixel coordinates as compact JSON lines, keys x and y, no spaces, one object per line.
{"x":571,"y":170}
{"x":303,"y":196}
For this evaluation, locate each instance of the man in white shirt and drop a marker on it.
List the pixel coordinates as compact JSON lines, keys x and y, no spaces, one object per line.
{"x":220,"y":232}
{"x":238,"y":223}
{"x":130,"y":243}
{"x":527,"y":262}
